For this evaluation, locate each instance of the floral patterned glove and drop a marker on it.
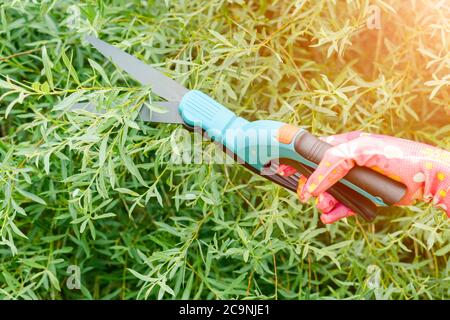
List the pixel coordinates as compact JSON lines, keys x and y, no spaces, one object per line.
{"x":425,"y":170}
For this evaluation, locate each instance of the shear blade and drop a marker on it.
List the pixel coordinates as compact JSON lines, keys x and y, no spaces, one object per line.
{"x":145,"y":114}
{"x":161,"y":85}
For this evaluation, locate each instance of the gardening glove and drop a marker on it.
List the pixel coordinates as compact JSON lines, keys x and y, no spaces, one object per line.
{"x":423,"y":169}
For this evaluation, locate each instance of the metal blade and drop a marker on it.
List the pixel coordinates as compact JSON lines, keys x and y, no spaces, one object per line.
{"x":145,"y":114}
{"x":161,"y":85}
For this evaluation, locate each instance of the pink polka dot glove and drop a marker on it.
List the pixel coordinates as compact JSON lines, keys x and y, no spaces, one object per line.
{"x":425,"y":170}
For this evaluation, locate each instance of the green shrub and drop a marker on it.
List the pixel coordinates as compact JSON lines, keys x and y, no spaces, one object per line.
{"x":100,"y":192}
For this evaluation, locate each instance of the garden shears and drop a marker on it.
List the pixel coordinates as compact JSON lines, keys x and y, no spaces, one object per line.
{"x":261,"y":146}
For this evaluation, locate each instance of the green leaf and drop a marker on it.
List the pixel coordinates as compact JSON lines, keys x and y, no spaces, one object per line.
{"x":45,"y":88}
{"x":163,"y":289}
{"x":84,"y":225}
{"x":47,"y":163}
{"x":48,"y":65}
{"x":69,"y":101}
{"x":443,"y":251}
{"x":31,"y":196}
{"x":18,"y":100}
{"x":132,"y":167}
{"x":99,"y":69}
{"x":104,"y":216}
{"x":70,"y":67}
{"x":221,"y":38}
{"x":127,"y":191}
{"x":141,"y":276}
{"x":102,"y":151}
{"x":17,"y":230}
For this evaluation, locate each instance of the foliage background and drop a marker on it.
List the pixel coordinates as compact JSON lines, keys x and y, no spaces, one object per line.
{"x":100,"y":192}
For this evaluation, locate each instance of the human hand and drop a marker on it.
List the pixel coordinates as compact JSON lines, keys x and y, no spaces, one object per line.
{"x":423,"y":169}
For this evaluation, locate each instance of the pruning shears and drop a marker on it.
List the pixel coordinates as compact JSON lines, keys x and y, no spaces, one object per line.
{"x":261,"y":146}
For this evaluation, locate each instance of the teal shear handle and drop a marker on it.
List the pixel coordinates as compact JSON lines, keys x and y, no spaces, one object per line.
{"x":260,"y":143}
